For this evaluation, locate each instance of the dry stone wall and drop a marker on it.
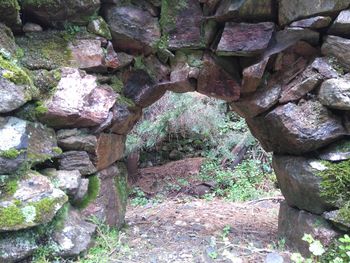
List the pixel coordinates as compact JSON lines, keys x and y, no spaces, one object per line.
{"x":75,"y":75}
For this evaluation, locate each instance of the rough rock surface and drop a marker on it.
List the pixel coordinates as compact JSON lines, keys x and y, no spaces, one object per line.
{"x":110,"y":203}
{"x":341,"y":25}
{"x":339,"y":48}
{"x":294,"y":223}
{"x":335,"y":94}
{"x":78,"y":101}
{"x":242,"y":39}
{"x":123,"y":20}
{"x":290,"y":11}
{"x":34,"y":202}
{"x":316,"y":22}
{"x":305,"y":127}
{"x":300,"y":182}
{"x":76,"y":160}
{"x":337,"y":151}
{"x":75,"y":236}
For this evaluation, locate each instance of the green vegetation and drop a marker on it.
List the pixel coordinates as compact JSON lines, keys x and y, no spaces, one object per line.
{"x":10,"y":187}
{"x":57,"y":150}
{"x":14,"y":73}
{"x":10,"y":153}
{"x":168,"y":13}
{"x":117,"y":85}
{"x":11,"y":216}
{"x":10,"y":4}
{"x":138,"y":197}
{"x":93,"y":190}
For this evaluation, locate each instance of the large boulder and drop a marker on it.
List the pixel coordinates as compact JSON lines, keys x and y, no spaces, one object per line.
{"x":112,"y":196}
{"x":124,"y":118}
{"x":294,"y":223}
{"x":252,"y":10}
{"x":290,"y":11}
{"x":74,"y":236}
{"x":242,"y":39}
{"x":57,"y":13}
{"x":339,"y":48}
{"x":29,"y":202}
{"x":300,"y":182}
{"x":133,"y":29}
{"x":24,"y":143}
{"x":181,"y":21}
{"x":78,"y":101}
{"x":306,"y":127}
{"x":215,"y":81}
{"x":335,"y":94}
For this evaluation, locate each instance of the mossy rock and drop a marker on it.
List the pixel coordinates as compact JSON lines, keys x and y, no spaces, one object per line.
{"x":33,"y":201}
{"x":45,"y":50}
{"x":10,"y":13}
{"x":7,"y":41}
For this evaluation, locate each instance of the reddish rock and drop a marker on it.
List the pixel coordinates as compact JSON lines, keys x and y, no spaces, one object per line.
{"x":78,"y":101}
{"x":109,"y":149}
{"x":87,"y":53}
{"x":124,"y":118}
{"x":316,"y":22}
{"x":123,"y":20}
{"x":116,"y":60}
{"x":110,"y":204}
{"x":242,"y":39}
{"x":252,"y":76}
{"x":214,"y":81}
{"x":142,"y":89}
{"x":182,"y":23}
{"x":305,"y":127}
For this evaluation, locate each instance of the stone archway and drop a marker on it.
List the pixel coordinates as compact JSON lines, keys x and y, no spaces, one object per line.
{"x":284,"y":68}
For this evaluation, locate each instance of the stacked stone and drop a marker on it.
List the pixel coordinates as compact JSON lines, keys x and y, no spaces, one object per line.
{"x":69,"y":94}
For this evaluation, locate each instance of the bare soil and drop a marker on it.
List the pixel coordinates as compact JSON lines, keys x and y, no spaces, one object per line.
{"x":186,"y":229}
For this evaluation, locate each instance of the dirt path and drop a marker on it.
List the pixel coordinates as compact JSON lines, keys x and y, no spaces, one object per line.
{"x":195,"y":230}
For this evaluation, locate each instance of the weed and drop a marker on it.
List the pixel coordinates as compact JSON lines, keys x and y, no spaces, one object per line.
{"x":138,"y":197}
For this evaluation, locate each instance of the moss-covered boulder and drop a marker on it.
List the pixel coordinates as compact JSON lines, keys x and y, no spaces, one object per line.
{"x":10,"y":13}
{"x":99,"y":27}
{"x":58,"y":12}
{"x":32,"y":201}
{"x":23,"y":144}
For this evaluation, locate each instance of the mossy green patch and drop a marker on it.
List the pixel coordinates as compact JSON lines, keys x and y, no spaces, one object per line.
{"x":10,"y":153}
{"x":14,"y":73}
{"x":117,"y":84}
{"x":10,"y":217}
{"x":169,"y":10}
{"x":10,"y":187}
{"x":57,"y":150}
{"x":122,"y":100}
{"x":93,"y":191}
{"x":44,"y":208}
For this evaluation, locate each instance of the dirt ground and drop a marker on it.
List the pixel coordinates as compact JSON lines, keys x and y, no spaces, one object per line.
{"x":186,"y":229}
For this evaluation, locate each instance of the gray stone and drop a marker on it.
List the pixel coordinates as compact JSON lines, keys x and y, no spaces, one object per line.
{"x":35,"y":202}
{"x":316,"y":22}
{"x":336,"y":219}
{"x":305,"y":127}
{"x":7,"y":41}
{"x":32,"y":27}
{"x":75,"y":236}
{"x":76,"y":160}
{"x":339,"y":48}
{"x":133,"y":29}
{"x":294,"y":223}
{"x":299,"y":182}
{"x":274,"y":257}
{"x":32,"y":143}
{"x":341,"y":25}
{"x":299,"y":33}
{"x":290,"y":11}
{"x":99,"y":27}
{"x":243,"y":39}
{"x":337,"y":151}
{"x":15,"y":247}
{"x":78,"y":141}
{"x":335,"y":94}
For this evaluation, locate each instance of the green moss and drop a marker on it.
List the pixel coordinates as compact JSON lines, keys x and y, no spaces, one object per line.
{"x":14,"y":73}
{"x":57,"y":150}
{"x":40,"y":109}
{"x":117,"y":85}
{"x":10,"y":153}
{"x":10,"y":4}
{"x":121,"y":184}
{"x":335,"y":185}
{"x":43,"y":208}
{"x":11,"y":216}
{"x":122,"y":100}
{"x":169,"y":10}
{"x":93,"y":190}
{"x":10,"y":187}
{"x":344,"y":213}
